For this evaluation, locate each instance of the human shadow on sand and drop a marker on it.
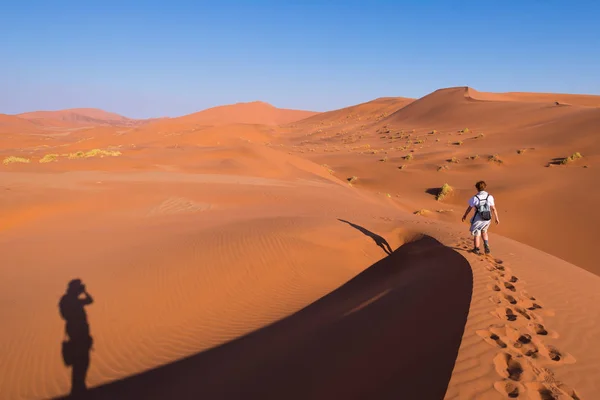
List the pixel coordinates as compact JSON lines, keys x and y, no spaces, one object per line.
{"x":391,"y":332}
{"x":379,"y":241}
{"x":77,"y":343}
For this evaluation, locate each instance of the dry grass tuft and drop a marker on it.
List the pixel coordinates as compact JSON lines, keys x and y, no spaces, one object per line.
{"x":352,"y":179}
{"x":475,"y":157}
{"x":408,"y":157}
{"x":459,"y":143}
{"x":444,"y":191}
{"x":49,"y":158}
{"x":403,"y":166}
{"x":13,"y":159}
{"x":422,"y":212}
{"x":453,"y":160}
{"x":442,"y":168}
{"x":571,"y":158}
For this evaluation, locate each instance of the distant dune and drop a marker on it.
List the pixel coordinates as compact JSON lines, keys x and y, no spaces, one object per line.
{"x":361,"y":113}
{"x":78,"y":116}
{"x":575,"y":99}
{"x":256,"y":112}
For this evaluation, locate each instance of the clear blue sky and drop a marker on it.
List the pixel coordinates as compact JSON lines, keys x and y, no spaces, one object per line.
{"x":168,"y":58}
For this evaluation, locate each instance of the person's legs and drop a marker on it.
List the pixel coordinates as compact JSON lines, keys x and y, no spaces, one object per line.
{"x":486,"y":245}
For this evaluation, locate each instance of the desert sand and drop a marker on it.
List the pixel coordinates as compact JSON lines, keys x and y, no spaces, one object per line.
{"x":248,"y":251}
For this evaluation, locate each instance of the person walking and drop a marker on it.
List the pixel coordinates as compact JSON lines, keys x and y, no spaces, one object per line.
{"x":484,"y":205}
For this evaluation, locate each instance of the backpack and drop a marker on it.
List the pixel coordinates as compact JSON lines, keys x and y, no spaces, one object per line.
{"x":484,"y":209}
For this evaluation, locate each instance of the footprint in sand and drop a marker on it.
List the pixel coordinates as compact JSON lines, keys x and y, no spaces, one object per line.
{"x":510,"y":299}
{"x":506,"y":313}
{"x":509,"y":388}
{"x":546,"y":391}
{"x":512,"y":339}
{"x":491,"y":338}
{"x":510,"y":286}
{"x":541,"y":330}
{"x":554,"y":354}
{"x":511,"y":368}
{"x":495,"y":288}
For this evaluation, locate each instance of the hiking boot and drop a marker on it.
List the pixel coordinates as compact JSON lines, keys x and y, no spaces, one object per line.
{"x":476,"y":251}
{"x":487,"y":250}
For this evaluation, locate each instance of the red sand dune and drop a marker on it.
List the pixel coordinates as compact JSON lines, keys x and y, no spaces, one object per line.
{"x":256,"y":112}
{"x":80,"y":116}
{"x":216,"y":251}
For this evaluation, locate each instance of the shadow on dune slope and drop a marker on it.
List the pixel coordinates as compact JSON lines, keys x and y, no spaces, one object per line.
{"x":393,"y":331}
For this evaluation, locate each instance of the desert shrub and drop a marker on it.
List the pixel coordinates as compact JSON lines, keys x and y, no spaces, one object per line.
{"x":475,"y":157}
{"x":442,"y":168}
{"x":420,"y":141}
{"x":49,"y":158}
{"x":408,"y":157}
{"x":352,"y":179}
{"x":572,"y":158}
{"x":521,"y":151}
{"x":79,"y":154}
{"x":433,"y":132}
{"x":403,"y":166}
{"x":444,"y":191}
{"x":384,"y":159}
{"x":422,"y":212}
{"x":453,"y":160}
{"x":466,"y":130}
{"x":13,"y":159}
{"x":459,"y":143}
{"x":495,"y":158}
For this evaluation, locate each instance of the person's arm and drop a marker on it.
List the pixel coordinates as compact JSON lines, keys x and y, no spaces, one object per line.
{"x":466,"y":213}
{"x":495,"y":214}
{"x":87,"y":299}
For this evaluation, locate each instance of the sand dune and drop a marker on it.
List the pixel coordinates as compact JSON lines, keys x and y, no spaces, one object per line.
{"x":256,"y":112}
{"x":79,"y":116}
{"x":563,"y":99}
{"x":233,"y":252}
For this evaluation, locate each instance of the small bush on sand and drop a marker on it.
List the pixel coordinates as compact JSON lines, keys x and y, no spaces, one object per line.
{"x":102,"y":153}
{"x":384,"y":159}
{"x":403,"y":166}
{"x":572,"y":158}
{"x":422,"y":212}
{"x":433,"y":132}
{"x":13,"y":159}
{"x":442,"y":168}
{"x":79,"y":154}
{"x":444,"y":191}
{"x":408,"y":157}
{"x":352,"y":179}
{"x":459,"y":143}
{"x":453,"y":160}
{"x":495,"y":158}
{"x":420,"y":141}
{"x":49,"y":158}
{"x":466,"y":130}
{"x":475,"y":157}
